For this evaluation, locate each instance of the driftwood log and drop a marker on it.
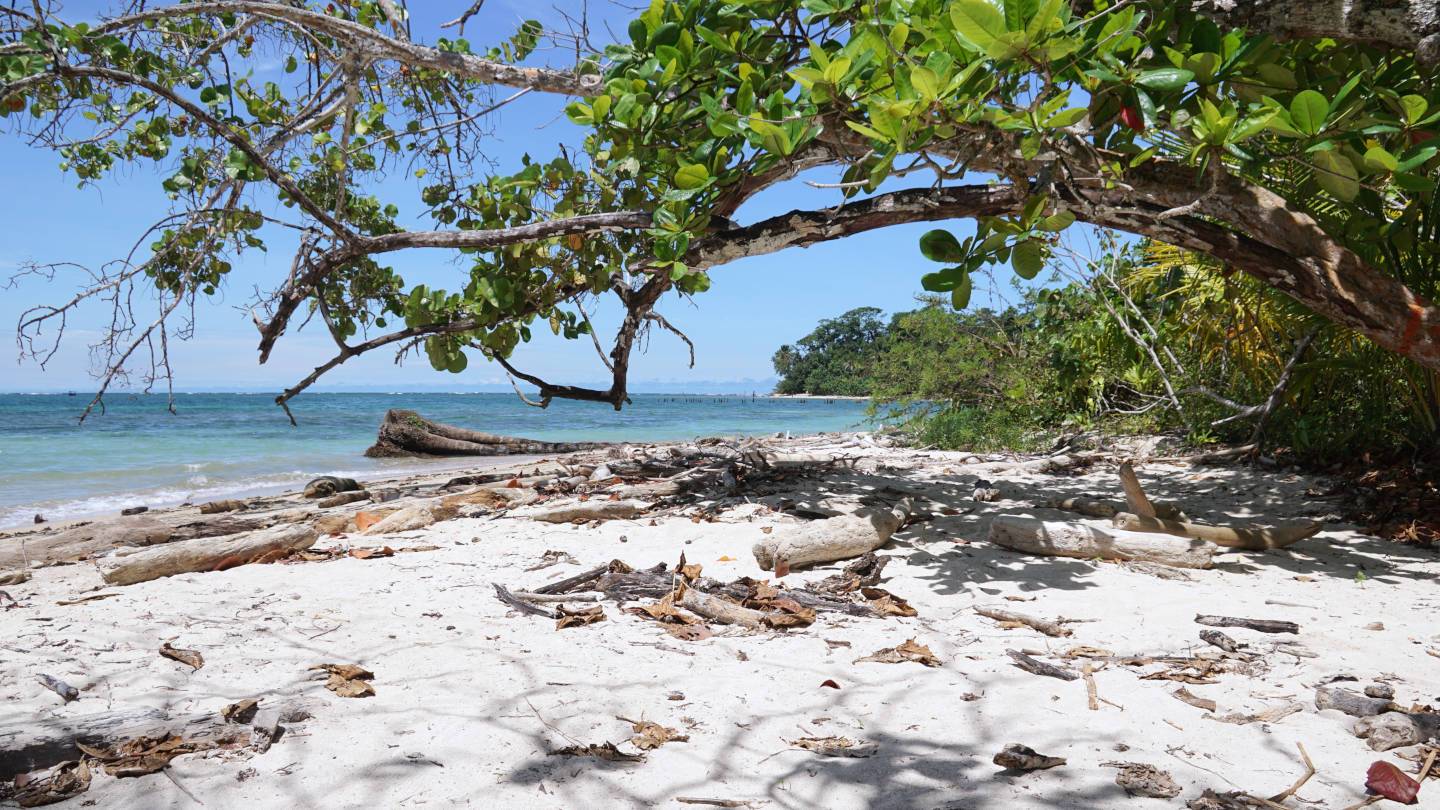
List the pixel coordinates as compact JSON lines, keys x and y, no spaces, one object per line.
{"x":1249,"y":539}
{"x":206,"y":554}
{"x":44,"y":743}
{"x":836,"y":538}
{"x":407,"y":433}
{"x":1065,"y":539}
{"x":595,"y":509}
{"x":85,"y":541}
{"x":1258,"y":625}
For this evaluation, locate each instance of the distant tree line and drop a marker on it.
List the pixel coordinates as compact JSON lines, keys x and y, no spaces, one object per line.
{"x":1148,"y":338}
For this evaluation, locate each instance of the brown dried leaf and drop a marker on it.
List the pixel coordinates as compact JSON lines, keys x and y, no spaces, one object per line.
{"x":909,"y":651}
{"x":369,"y":553}
{"x":240,"y":712}
{"x":190,"y":658}
{"x":606,"y":751}
{"x":688,"y":632}
{"x":649,"y":736}
{"x":144,"y":755}
{"x":348,"y":680}
{"x":829,"y":683}
{"x":1139,"y":779}
{"x":1195,"y":700}
{"x":576,"y":617}
{"x":836,"y":746}
{"x":64,"y":781}
{"x":887,"y":604}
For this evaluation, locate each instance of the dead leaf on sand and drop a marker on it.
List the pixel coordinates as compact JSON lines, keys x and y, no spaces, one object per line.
{"x":1139,"y":779}
{"x":190,"y":658}
{"x":836,"y":746}
{"x":368,"y":553}
{"x":606,"y":751}
{"x":144,"y":755}
{"x":239,"y":712}
{"x":887,"y":604}
{"x":1024,"y":758}
{"x":1193,"y":699}
{"x":66,"y":780}
{"x":909,"y":651}
{"x":575,"y":617}
{"x":688,"y":632}
{"x":649,"y":736}
{"x":348,"y":680}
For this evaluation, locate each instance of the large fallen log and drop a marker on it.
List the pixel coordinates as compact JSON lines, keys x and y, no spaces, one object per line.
{"x":205,"y":554}
{"x":836,"y":538}
{"x":1084,"y":541}
{"x":1246,"y":538}
{"x":43,"y":743}
{"x":407,"y":433}
{"x":85,"y":541}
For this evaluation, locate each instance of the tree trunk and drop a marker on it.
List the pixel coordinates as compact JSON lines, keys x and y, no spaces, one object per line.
{"x":407,"y":433}
{"x":82,"y":542}
{"x":1396,"y":23}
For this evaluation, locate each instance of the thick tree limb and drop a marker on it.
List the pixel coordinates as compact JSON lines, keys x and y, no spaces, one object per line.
{"x":1397,"y":23}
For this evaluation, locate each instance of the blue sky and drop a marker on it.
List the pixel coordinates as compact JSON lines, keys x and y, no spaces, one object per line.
{"x":753,"y":307}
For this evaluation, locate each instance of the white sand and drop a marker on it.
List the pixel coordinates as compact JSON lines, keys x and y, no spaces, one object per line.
{"x":472,"y":697}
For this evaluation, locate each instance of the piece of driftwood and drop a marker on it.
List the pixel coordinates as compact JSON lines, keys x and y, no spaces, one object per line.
{"x":836,"y":538}
{"x":46,"y":742}
{"x":66,"y":692}
{"x":340,"y":499}
{"x":1045,"y":626}
{"x":1065,"y":539}
{"x":579,"y":580}
{"x":1035,"y":667}
{"x":407,"y":433}
{"x":87,"y":540}
{"x":504,"y":595}
{"x":206,"y":554}
{"x":1247,"y":538}
{"x":635,"y":585}
{"x":216,"y":507}
{"x":595,"y":509}
{"x":14,"y":577}
{"x":1215,"y":638}
{"x":1135,"y":497}
{"x":1024,"y":758}
{"x":1397,"y":729}
{"x":1351,"y":703}
{"x":410,"y":518}
{"x":1258,"y":625}
{"x":721,"y":610}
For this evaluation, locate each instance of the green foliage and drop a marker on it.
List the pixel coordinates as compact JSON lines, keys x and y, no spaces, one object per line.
{"x":835,"y":359}
{"x":700,"y":98}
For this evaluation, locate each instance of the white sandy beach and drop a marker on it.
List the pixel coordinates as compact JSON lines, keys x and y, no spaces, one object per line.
{"x":472,"y":698}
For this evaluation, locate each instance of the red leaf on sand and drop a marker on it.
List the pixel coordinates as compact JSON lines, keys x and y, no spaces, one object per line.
{"x":830,"y":683}
{"x":1386,"y":780}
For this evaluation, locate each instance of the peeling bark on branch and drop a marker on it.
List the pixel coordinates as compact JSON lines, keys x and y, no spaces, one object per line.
{"x":1395,"y":23}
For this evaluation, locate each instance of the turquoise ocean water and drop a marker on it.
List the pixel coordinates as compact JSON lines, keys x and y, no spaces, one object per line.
{"x":224,"y":445}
